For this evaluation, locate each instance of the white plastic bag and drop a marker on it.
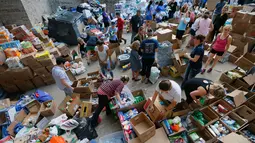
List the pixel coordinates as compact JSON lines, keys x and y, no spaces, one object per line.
{"x":154,"y":75}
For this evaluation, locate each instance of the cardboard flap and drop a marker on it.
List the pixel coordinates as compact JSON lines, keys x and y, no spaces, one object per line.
{"x":238,"y":97}
{"x":165,"y":31}
{"x":232,"y":48}
{"x":250,"y":79}
{"x":234,"y":138}
{"x":245,"y":50}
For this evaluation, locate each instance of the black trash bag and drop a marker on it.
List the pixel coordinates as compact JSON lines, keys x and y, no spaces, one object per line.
{"x":85,"y":130}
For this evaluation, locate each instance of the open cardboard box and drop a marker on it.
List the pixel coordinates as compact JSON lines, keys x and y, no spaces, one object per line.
{"x":181,"y":109}
{"x":74,"y":105}
{"x":179,"y":63}
{"x":139,"y":106}
{"x":251,"y":103}
{"x":164,"y":35}
{"x":235,"y":117}
{"x":208,"y":114}
{"x":227,"y":128}
{"x":18,"y":118}
{"x":244,"y":63}
{"x":86,"y":109}
{"x":250,"y":127}
{"x":228,"y":87}
{"x":237,"y":96}
{"x":93,"y":75}
{"x":80,"y":88}
{"x":160,"y":137}
{"x":245,"y":113}
{"x":234,"y":138}
{"x":48,"y":111}
{"x":224,"y":104}
{"x":226,"y":79}
{"x":205,"y":134}
{"x":143,"y":127}
{"x":34,"y":112}
{"x":160,"y":111}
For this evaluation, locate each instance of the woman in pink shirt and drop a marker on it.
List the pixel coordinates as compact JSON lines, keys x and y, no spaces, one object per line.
{"x":204,"y":25}
{"x":219,"y":47}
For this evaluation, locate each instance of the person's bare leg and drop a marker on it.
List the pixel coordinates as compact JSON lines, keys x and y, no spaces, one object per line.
{"x":207,"y":62}
{"x":88,"y":56}
{"x":136,"y":76}
{"x":216,"y":61}
{"x":133,"y":74}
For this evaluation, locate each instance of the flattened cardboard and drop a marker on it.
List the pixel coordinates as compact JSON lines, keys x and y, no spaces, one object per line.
{"x":250,"y":79}
{"x":238,"y":97}
{"x":234,"y":138}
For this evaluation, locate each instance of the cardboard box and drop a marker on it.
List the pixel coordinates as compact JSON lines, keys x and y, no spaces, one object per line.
{"x":80,"y":88}
{"x":34,"y":112}
{"x":250,"y":127}
{"x":179,"y":63}
{"x":181,"y":109}
{"x":49,"y":68}
{"x":205,"y":134}
{"x":240,"y":83}
{"x":226,"y":79}
{"x":22,"y":74}
{"x":86,"y":109}
{"x":234,"y":138}
{"x":238,"y":97}
{"x":48,"y":62}
{"x":160,"y":137}
{"x":70,"y":75}
{"x":143,"y":127}
{"x":93,"y":75}
{"x":140,"y":105}
{"x":48,"y":111}
{"x":41,"y":71}
{"x":245,"y":113}
{"x":38,"y":81}
{"x":72,"y":108}
{"x":24,"y":85}
{"x":28,"y":59}
{"x":5,"y":103}
{"x":160,"y":111}
{"x":251,"y":103}
{"x":10,"y":88}
{"x":209,"y":115}
{"x":235,"y":117}
{"x":164,"y":35}
{"x":238,"y":27}
{"x":228,"y":87}
{"x":224,"y":104}
{"x":18,"y":118}
{"x":244,"y":63}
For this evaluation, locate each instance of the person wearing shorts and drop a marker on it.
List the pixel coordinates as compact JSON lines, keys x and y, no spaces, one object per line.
{"x":219,"y":47}
{"x":91,"y":44}
{"x":182,"y":27}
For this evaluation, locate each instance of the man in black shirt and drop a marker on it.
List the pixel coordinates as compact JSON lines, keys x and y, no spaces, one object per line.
{"x":172,"y":5}
{"x":135,"y":22}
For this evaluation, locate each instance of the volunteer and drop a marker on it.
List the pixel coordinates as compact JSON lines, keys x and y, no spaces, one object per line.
{"x":106,"y":20}
{"x":219,"y":47}
{"x":135,"y":22}
{"x":182,"y":27}
{"x":173,"y":6}
{"x":199,"y":87}
{"x":149,"y":48}
{"x":90,"y":47}
{"x":149,"y":11}
{"x":105,"y":92}
{"x":113,"y":38}
{"x":140,"y":36}
{"x":204,"y":25}
{"x":120,"y":25}
{"x":218,"y":9}
{"x":103,"y":58}
{"x":195,"y":59}
{"x":62,"y":80}
{"x":219,"y":22}
{"x":170,"y":91}
{"x":81,"y":47}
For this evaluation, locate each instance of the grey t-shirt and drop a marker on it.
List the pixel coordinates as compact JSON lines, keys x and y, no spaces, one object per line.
{"x":174,"y":94}
{"x":59,"y":73}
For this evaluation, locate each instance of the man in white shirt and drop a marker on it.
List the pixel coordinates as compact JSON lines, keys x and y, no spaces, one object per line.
{"x":170,"y":91}
{"x":62,"y":80}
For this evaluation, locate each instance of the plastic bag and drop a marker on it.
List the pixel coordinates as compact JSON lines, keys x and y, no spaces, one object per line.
{"x":154,"y":74}
{"x":57,"y":139}
{"x":57,"y":121}
{"x":126,"y":95}
{"x":12,"y":52}
{"x":85,"y":130}
{"x":42,"y":96}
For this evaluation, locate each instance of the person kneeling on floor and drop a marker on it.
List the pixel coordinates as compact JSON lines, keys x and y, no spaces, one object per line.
{"x":170,"y":91}
{"x":105,"y":92}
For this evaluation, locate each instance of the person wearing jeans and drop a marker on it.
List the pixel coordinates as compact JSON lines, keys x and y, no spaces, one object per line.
{"x":195,"y":59}
{"x":105,"y":92}
{"x":149,"y":49}
{"x":135,"y":22}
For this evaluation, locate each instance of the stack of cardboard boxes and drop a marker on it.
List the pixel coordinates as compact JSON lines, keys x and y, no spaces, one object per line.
{"x":243,"y":38}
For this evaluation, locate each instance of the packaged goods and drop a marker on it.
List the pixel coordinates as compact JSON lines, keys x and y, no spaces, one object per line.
{"x":218,"y":129}
{"x":13,"y":63}
{"x":27,"y":47}
{"x":12,"y":52}
{"x":43,"y":55}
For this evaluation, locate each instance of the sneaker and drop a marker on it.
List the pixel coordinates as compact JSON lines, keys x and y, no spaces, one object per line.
{"x":203,"y":71}
{"x":209,"y":70}
{"x":138,"y":79}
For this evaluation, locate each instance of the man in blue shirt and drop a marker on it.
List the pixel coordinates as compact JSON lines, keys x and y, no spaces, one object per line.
{"x":149,"y":49}
{"x":218,"y":9}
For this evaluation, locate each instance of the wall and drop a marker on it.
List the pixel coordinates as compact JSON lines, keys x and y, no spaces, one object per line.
{"x":13,"y":12}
